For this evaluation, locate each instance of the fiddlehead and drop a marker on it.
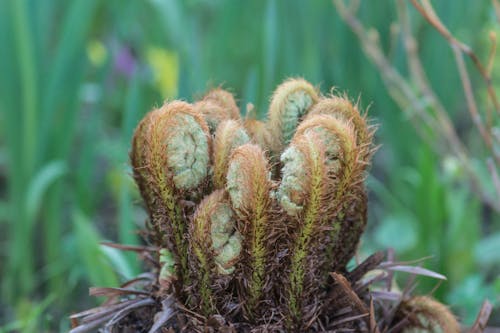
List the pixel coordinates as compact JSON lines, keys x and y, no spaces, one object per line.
{"x":290,"y":102}
{"x":170,"y":155}
{"x":229,"y":135}
{"x":249,"y":186}
{"x":216,"y":245}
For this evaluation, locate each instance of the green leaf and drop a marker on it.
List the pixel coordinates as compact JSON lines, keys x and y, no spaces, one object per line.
{"x":4,"y":211}
{"x":487,"y":251}
{"x":118,"y":261}
{"x":37,"y":188}
{"x":398,"y":232}
{"x":270,"y":44}
{"x":90,"y":251}
{"x":29,"y":316}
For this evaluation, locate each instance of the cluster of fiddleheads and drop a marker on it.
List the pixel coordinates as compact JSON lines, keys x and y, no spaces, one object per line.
{"x":250,"y":217}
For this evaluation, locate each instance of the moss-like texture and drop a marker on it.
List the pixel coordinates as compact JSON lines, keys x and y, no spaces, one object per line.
{"x":310,"y":220}
{"x":187,"y":152}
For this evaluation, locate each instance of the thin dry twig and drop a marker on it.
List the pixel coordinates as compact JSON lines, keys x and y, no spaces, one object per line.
{"x":111,"y":292}
{"x":164,"y":316}
{"x":469,"y":97}
{"x":482,"y":318}
{"x":134,"y":248}
{"x":496,"y":6}
{"x":416,"y":97}
{"x":493,"y":52}
{"x":427,"y":11}
{"x":489,"y":69}
{"x":368,"y":264}
{"x":125,"y":311}
{"x":459,"y":48}
{"x":346,"y":290}
{"x":397,"y":86}
{"x":419,"y":75}
{"x":494,"y":176}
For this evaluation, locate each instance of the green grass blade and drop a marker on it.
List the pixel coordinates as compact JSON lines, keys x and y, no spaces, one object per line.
{"x":62,"y":87}
{"x":90,"y":251}
{"x":24,"y":42}
{"x":37,"y":188}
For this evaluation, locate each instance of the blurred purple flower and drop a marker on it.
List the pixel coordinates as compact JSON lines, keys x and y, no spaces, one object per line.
{"x":124,"y":61}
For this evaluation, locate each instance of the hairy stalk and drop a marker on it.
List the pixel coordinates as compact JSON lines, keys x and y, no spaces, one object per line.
{"x":350,"y":225}
{"x":138,"y":161}
{"x":353,"y":210}
{"x":316,"y":172}
{"x":139,"y":165}
{"x":215,"y":243}
{"x":249,"y":186}
{"x":201,"y":244}
{"x":347,"y":207}
{"x":207,"y":306}
{"x":170,"y":155}
{"x":177,"y":230}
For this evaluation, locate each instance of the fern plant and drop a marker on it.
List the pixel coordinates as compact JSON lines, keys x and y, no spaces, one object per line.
{"x":252,"y":223}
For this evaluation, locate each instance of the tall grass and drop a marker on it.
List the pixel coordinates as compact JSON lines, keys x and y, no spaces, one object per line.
{"x":66,"y":122}
{"x":43,"y":65}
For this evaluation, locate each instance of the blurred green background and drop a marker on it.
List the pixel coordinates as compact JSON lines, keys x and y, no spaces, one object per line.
{"x":76,"y":76}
